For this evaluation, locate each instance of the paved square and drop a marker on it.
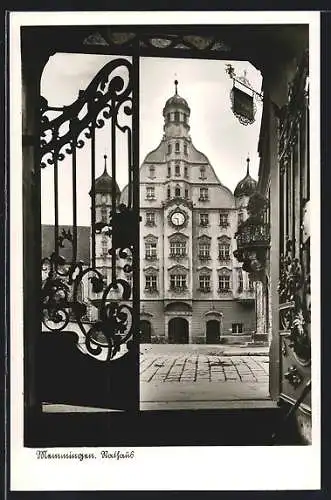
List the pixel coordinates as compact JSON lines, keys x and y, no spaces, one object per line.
{"x":201,"y":376}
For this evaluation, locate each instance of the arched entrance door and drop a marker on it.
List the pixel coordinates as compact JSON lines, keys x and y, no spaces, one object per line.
{"x":178,"y":331}
{"x":145,"y":331}
{"x":213,"y":332}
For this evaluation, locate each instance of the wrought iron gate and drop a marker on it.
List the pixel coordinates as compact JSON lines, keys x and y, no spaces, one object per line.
{"x":90,"y":316}
{"x":294,"y":286}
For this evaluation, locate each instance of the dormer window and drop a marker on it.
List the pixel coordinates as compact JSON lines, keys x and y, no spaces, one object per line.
{"x":203,"y":194}
{"x":169,"y":149}
{"x":150,"y":193}
{"x":177,"y":147}
{"x":203,"y":172}
{"x":177,"y":191}
{"x":177,"y":169}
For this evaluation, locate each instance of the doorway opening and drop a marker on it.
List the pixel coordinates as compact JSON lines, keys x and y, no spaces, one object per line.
{"x":178,"y":331}
{"x":212,"y":332}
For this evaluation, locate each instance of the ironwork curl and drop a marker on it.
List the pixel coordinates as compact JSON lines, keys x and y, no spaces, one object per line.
{"x":102,"y":90}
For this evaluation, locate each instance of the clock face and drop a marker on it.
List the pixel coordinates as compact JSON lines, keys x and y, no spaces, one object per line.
{"x":178,"y":219}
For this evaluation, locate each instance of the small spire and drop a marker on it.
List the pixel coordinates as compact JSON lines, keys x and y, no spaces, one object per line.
{"x":248,"y":160}
{"x":105,"y":169}
{"x":176,"y":83}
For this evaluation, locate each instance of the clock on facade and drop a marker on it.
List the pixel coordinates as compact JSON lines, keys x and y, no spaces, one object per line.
{"x":178,"y":219}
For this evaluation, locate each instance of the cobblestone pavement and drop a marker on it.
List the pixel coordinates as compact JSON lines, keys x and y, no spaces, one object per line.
{"x":202,"y":368}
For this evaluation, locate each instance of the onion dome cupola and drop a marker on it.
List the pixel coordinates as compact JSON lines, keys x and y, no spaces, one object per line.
{"x":247,"y":186}
{"x":176,"y":114}
{"x":104,"y":183}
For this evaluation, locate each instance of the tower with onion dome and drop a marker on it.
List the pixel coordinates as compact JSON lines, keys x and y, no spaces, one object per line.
{"x":244,"y":189}
{"x":104,"y":187}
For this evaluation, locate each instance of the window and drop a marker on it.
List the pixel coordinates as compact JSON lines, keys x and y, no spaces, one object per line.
{"x":152,"y":171}
{"x":203,"y":194}
{"x":186,"y":193}
{"x":204,"y":251}
{"x":178,"y":281}
{"x":185,"y":148}
{"x":169,"y":149}
{"x":250,"y":283}
{"x":150,"y":253}
{"x":177,"y":191}
{"x":177,"y":169}
{"x":185,"y":118}
{"x":203,"y":173}
{"x":150,"y":219}
{"x":237,"y":327}
{"x":177,"y":147}
{"x":185,"y":171}
{"x":176,"y":116}
{"x":177,"y":249}
{"x":168,"y":117}
{"x":224,"y":222}
{"x":223,"y":251}
{"x":150,"y":193}
{"x":151,"y":283}
{"x":169,"y":171}
{"x":240,"y":217}
{"x":104,"y":272}
{"x":240,"y":281}
{"x":104,"y":214}
{"x":168,"y":193}
{"x":224,"y":282}
{"x":104,"y":246}
{"x":128,"y":278}
{"x":204,"y":219}
{"x":204,"y":282}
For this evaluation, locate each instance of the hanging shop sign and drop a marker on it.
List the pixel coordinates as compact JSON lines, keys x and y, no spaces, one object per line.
{"x":242,"y":97}
{"x":243,"y":106}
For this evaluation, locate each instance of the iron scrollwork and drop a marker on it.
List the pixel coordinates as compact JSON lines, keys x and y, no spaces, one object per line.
{"x":106,"y":96}
{"x":294,"y":314}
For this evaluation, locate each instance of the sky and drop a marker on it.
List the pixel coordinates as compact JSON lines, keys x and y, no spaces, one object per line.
{"x":215,"y":130}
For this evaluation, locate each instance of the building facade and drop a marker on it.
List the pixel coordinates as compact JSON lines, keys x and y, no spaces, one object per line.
{"x":192,"y":288}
